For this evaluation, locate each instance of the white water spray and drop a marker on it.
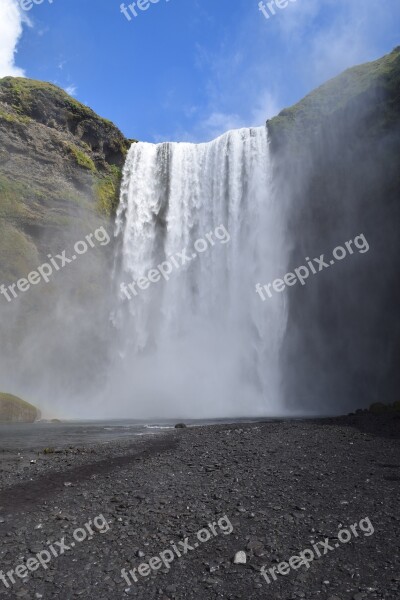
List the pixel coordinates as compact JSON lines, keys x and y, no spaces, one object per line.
{"x":201,"y":344}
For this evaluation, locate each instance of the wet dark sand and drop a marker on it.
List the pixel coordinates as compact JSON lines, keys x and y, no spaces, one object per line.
{"x":282,"y":485}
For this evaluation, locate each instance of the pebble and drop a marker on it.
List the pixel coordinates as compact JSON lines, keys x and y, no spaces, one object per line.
{"x":152,"y":491}
{"x":240,"y":558}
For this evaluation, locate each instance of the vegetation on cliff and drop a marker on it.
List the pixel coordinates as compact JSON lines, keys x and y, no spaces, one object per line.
{"x":60,"y":170}
{"x":80,"y":137}
{"x":371,"y":85}
{"x":51,"y":106}
{"x":336,"y":160}
{"x":15,"y":410}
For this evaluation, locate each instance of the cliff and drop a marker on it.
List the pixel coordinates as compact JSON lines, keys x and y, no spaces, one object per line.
{"x":336,"y":156}
{"x":60,"y":166}
{"x":367,"y":94}
{"x":60,"y":171}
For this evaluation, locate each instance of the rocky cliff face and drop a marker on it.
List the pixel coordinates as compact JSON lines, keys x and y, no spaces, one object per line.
{"x":60,"y":170}
{"x":337,"y":164}
{"x":60,"y":164}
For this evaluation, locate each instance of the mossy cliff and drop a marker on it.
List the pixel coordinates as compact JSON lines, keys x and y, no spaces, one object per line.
{"x":60,"y":171}
{"x":60,"y":166}
{"x":367,"y":93}
{"x":336,"y":156}
{"x":15,"y":410}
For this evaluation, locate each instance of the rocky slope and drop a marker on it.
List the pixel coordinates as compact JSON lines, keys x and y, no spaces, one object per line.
{"x":60,"y":170}
{"x":15,"y":410}
{"x":366,"y":94}
{"x":337,"y":163}
{"x":60,"y":164}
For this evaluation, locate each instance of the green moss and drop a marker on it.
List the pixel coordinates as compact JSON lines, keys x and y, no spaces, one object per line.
{"x":14,"y":118}
{"x":14,"y":409}
{"x":21,"y":92}
{"x":24,"y":208}
{"x":86,"y":146}
{"x":82,"y":159}
{"x":18,"y":254}
{"x":21,"y":204}
{"x":10,"y":195}
{"x":107,"y":191}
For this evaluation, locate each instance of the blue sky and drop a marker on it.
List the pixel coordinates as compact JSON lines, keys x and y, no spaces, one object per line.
{"x":192,"y":69}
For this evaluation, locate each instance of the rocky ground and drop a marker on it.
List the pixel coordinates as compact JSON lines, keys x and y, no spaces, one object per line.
{"x":281,"y":486}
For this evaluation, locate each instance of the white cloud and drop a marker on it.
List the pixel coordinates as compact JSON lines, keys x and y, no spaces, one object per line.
{"x":266,"y":107}
{"x":300,"y":48}
{"x":208,"y":127}
{"x":218,"y":123}
{"x":329,"y":36}
{"x":71,"y":90}
{"x":10,"y":33}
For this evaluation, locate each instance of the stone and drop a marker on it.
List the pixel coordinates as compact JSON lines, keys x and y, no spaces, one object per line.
{"x":240,"y":558}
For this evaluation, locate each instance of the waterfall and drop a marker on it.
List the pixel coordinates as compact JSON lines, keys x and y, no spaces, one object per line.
{"x":198,"y":341}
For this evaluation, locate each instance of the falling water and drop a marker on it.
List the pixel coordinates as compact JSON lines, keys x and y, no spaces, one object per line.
{"x":202,"y":343}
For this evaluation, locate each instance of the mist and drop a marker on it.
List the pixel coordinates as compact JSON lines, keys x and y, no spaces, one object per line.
{"x":198,"y":343}
{"x":55,"y":336}
{"x":194,"y":341}
{"x":341,"y":178}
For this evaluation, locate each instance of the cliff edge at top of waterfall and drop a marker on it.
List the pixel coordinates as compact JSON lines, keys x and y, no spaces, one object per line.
{"x":367,"y":92}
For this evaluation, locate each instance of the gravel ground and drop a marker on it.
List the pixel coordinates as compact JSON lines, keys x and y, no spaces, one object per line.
{"x":267,"y":491}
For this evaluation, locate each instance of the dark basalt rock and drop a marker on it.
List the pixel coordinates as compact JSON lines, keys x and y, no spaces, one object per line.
{"x":336,"y":161}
